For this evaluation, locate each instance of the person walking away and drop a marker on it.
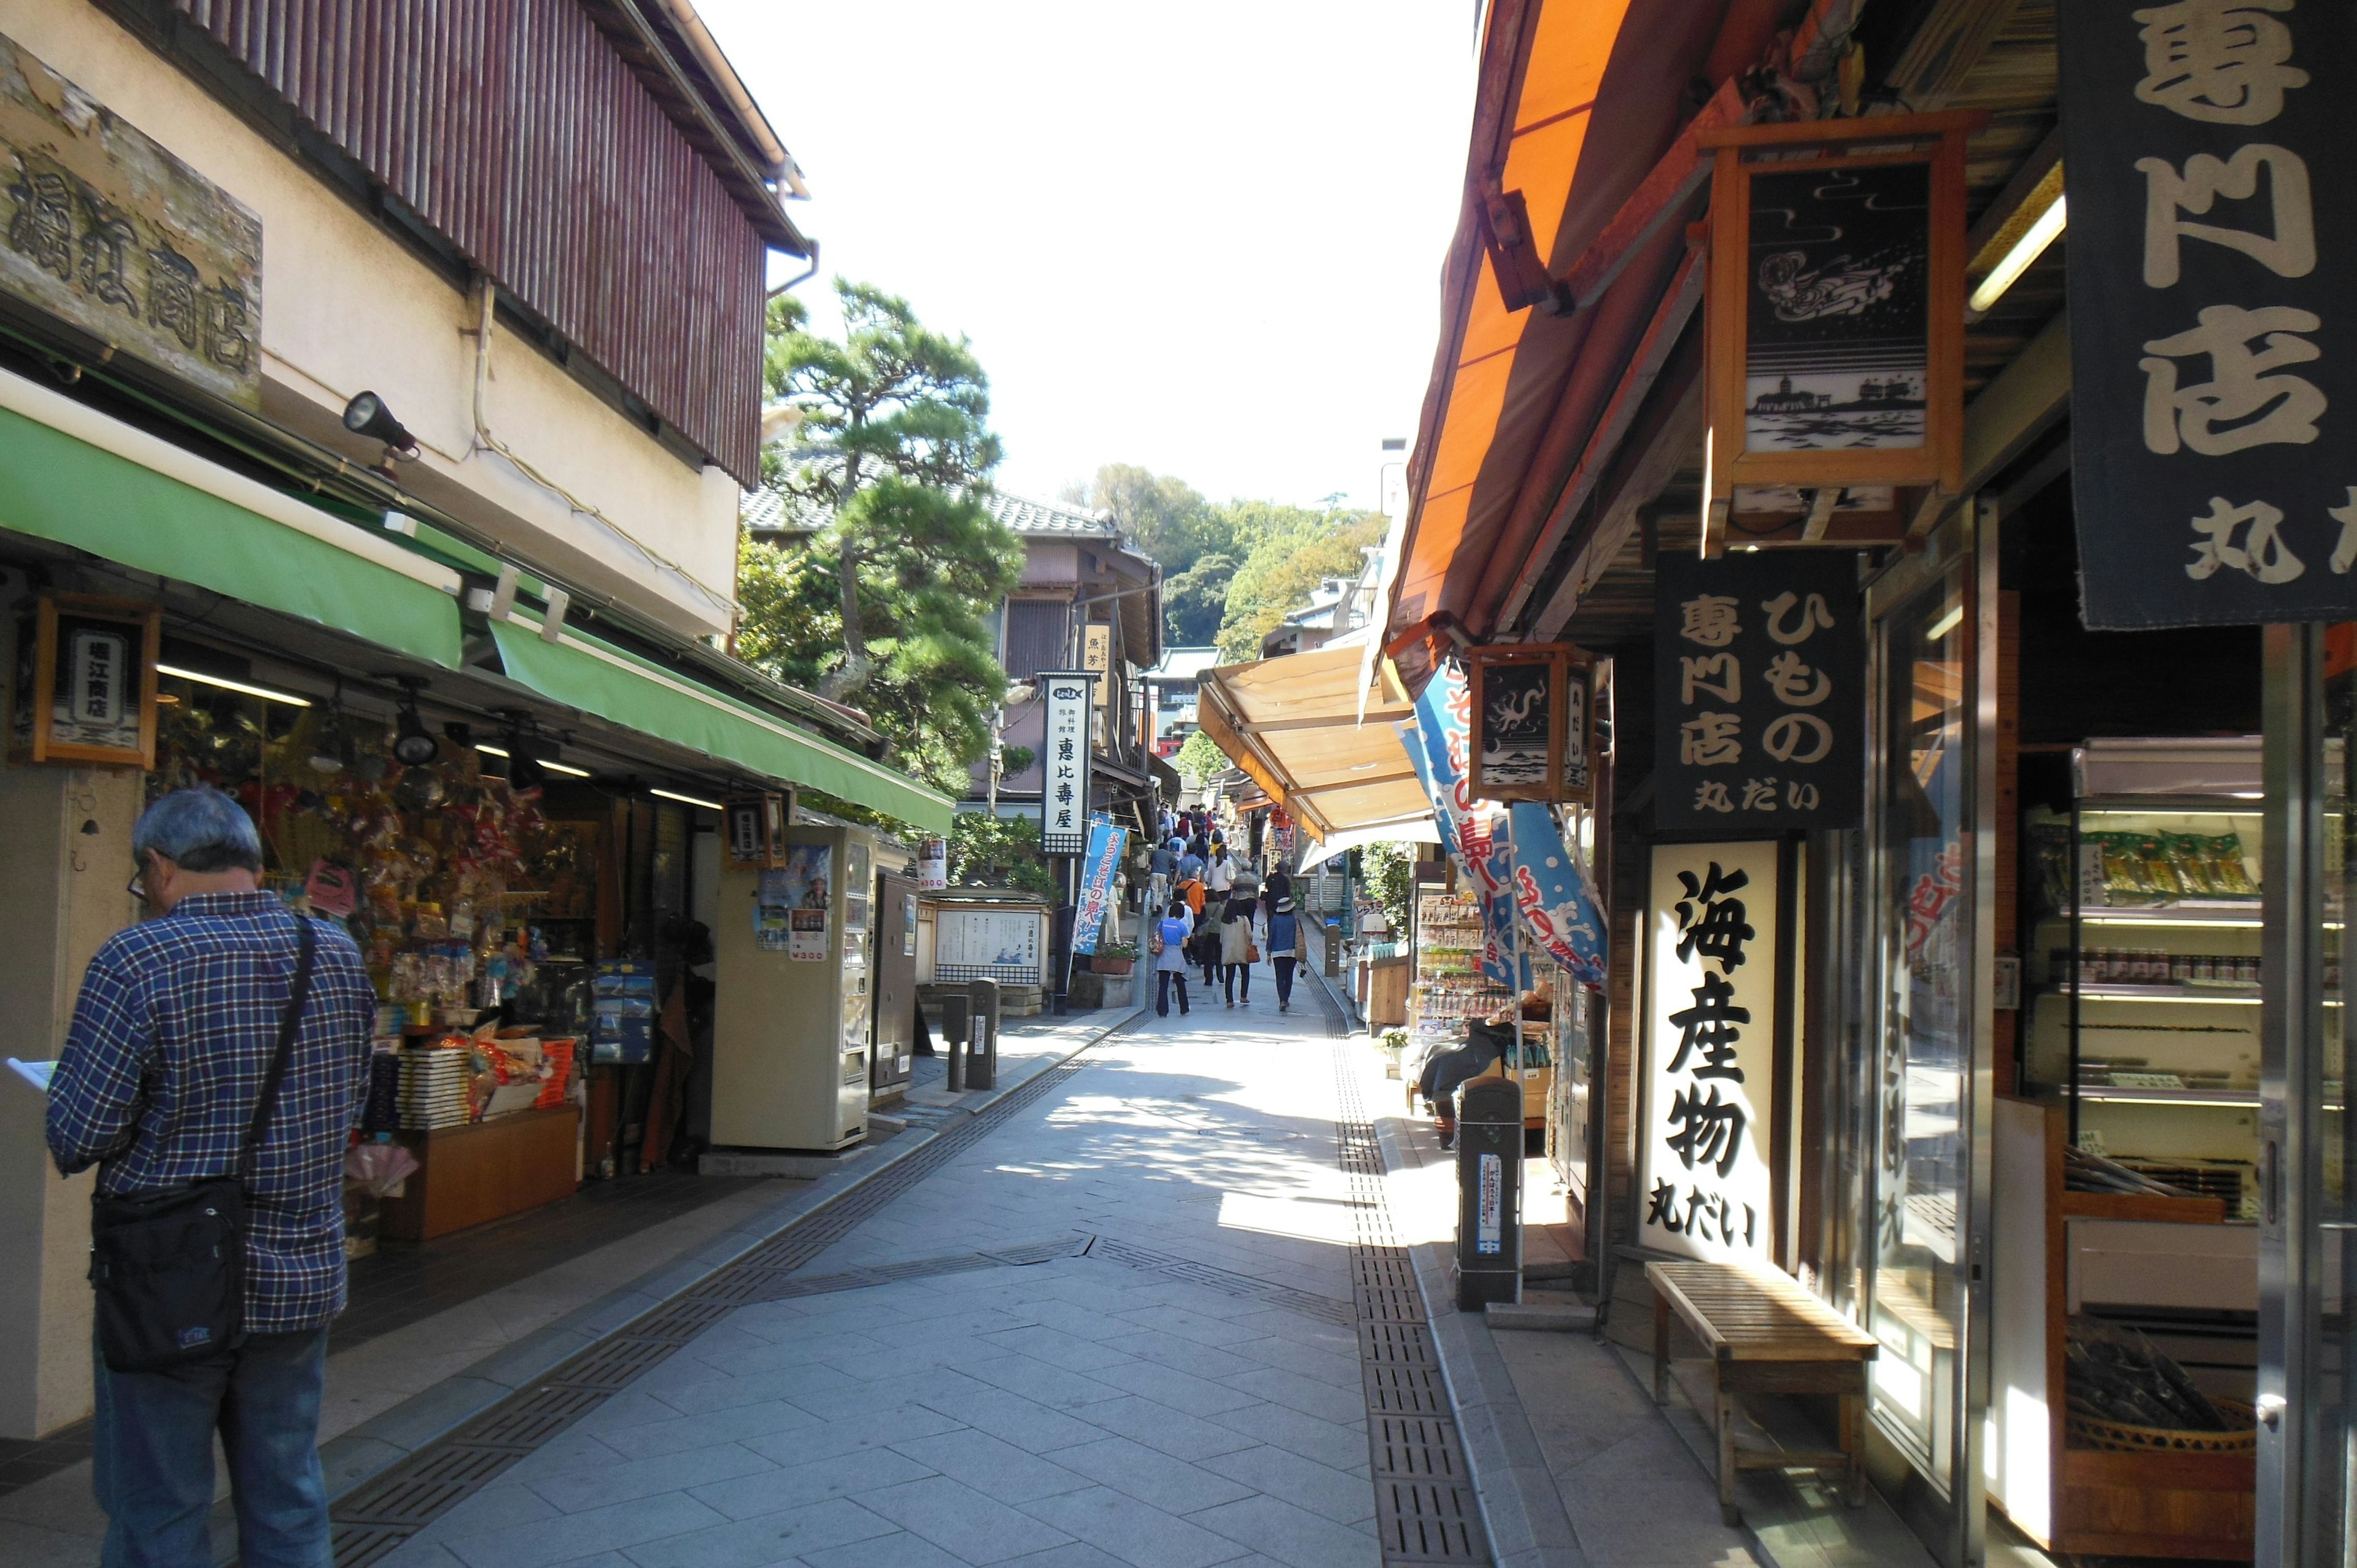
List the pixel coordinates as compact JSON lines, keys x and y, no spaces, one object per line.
{"x":1283,"y":948}
{"x":1191,"y":863}
{"x":1207,"y":950}
{"x":166,"y":1077}
{"x":1170,"y":934}
{"x":1219,"y":873}
{"x":1237,"y":947}
{"x":1159,"y":865}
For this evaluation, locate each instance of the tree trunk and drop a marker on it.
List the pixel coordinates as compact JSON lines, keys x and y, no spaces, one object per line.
{"x":852,"y":673}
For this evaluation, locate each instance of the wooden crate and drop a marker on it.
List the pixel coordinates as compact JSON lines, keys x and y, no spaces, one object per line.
{"x":484,"y":1171}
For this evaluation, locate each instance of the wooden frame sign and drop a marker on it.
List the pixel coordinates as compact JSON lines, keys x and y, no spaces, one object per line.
{"x":1520,"y":732}
{"x":85,"y":682}
{"x":756,"y":829}
{"x":1833,"y":326}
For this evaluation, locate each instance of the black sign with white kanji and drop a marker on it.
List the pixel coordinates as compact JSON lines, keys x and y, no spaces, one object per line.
{"x":2212,"y":280}
{"x":1759,"y":692}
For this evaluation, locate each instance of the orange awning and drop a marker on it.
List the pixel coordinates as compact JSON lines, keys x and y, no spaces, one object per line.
{"x":1577,"y":101}
{"x":1292,"y":724}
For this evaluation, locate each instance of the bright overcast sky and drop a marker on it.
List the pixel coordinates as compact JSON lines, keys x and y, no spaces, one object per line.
{"x":1202,"y":238}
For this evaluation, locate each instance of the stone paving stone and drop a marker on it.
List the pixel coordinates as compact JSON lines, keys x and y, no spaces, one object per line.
{"x":681,"y":1431}
{"x":1057,"y":1349}
{"x":898,"y":1550}
{"x":963,"y":1523}
{"x":1291,"y":1535}
{"x":585,"y":1487}
{"x":994,"y":1468}
{"x":776,"y":1488}
{"x":1013,"y":1418}
{"x":1180,"y":1435}
{"x":1179,"y":1391}
{"x":868,"y":1429}
{"x":1188,"y":1355}
{"x":761,"y":1542}
{"x":1346,"y":1497}
{"x":906,"y":1388}
{"x":1051,"y":1386}
{"x":1078,"y":1554}
{"x":1311,"y":1396}
{"x":543,"y":1542}
{"x":725,"y":1392}
{"x":1281,"y":1426}
{"x":1150,"y":1476}
{"x":1138,"y":1533}
{"x":1198,"y":1326}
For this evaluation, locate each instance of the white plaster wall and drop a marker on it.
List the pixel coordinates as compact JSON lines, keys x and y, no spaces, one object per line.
{"x":60,"y":896}
{"x":345,"y":309}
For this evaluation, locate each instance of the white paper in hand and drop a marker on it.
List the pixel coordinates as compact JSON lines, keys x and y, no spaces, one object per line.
{"x":37,"y":1074}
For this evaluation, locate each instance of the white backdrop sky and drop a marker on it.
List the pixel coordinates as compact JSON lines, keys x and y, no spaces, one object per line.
{"x":1204,"y":238}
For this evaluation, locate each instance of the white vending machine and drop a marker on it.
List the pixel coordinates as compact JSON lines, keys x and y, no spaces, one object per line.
{"x":791,"y":1034}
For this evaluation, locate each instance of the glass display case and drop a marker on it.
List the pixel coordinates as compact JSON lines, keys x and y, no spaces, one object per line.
{"x":1448,"y":987}
{"x":2145,"y":968}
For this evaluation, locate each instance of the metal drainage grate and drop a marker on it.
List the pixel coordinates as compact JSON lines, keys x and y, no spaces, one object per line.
{"x":1426,"y":1506}
{"x":376,"y":1516}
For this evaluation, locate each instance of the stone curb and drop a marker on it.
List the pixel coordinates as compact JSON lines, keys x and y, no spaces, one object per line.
{"x":383,"y":1439}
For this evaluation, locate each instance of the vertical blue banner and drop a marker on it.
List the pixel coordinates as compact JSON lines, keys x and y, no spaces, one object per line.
{"x":1551,"y":891}
{"x":1098,"y":864}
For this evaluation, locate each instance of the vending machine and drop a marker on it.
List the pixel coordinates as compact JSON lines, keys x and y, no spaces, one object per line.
{"x":793,"y":1039}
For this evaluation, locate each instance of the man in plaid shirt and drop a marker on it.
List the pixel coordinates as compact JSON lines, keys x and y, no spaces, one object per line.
{"x":174,"y":1026}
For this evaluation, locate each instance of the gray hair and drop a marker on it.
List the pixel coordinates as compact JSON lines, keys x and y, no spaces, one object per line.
{"x":198,"y":830}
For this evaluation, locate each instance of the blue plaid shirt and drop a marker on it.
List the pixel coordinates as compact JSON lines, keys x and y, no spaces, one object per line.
{"x":172,"y":1033}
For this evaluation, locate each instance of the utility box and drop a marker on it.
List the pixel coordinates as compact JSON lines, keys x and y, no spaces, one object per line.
{"x":1488,"y":1193}
{"x":794,"y":1015}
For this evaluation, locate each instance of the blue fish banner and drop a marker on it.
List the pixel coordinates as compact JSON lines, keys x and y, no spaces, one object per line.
{"x":1552,"y":892}
{"x":1487,"y":874}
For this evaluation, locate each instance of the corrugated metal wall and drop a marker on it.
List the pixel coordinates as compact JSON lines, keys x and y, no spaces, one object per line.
{"x":514,"y":130}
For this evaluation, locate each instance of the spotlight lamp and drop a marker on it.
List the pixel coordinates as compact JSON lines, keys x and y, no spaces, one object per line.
{"x":367,"y":415}
{"x":413,"y":744}
{"x":524,"y":769}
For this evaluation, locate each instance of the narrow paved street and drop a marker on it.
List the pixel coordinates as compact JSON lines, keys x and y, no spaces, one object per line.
{"x":1186,"y":1391}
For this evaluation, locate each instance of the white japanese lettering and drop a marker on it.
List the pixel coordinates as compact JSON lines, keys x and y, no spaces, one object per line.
{"x":2239,"y":406}
{"x":2289,"y":251}
{"x":2262,"y":554}
{"x":2224,"y":61}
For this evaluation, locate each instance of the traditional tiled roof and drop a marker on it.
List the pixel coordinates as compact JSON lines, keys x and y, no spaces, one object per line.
{"x":768,"y":511}
{"x":1023,"y":516}
{"x":1183,"y":664}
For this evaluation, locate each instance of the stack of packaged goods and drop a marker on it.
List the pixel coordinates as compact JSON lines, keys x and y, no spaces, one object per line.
{"x":556,"y":1069}
{"x":434,"y":1089}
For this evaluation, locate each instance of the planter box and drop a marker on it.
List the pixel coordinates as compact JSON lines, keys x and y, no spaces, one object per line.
{"x":1110,"y":965}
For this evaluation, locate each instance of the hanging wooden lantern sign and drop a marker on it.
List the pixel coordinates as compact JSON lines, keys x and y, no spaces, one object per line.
{"x":84,"y":690}
{"x":756,"y":828}
{"x":1529,"y":736}
{"x":1835,"y":323}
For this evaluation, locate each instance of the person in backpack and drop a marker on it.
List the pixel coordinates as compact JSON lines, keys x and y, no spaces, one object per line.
{"x":1237,"y":944}
{"x":1282,"y":924}
{"x":164,"y":1084}
{"x":1171,"y":934}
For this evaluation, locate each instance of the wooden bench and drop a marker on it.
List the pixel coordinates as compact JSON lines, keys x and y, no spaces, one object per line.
{"x":1765,"y":1335}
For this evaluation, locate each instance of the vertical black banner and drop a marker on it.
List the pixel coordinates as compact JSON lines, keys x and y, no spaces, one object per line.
{"x":1759,"y":692}
{"x":2213,"y":279}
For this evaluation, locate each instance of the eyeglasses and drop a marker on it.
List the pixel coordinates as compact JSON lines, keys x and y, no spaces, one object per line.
{"x":137,"y":885}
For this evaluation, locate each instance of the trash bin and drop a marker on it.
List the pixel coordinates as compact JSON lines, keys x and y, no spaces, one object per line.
{"x":1488,"y":1175}
{"x":982,"y":1035}
{"x":954,"y":1033}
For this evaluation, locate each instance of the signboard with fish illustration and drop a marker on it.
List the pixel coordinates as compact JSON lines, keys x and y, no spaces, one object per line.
{"x":1525,"y":711}
{"x":1835,"y":327}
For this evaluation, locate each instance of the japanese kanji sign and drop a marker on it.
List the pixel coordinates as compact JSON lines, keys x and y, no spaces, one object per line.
{"x":1097,"y":868}
{"x":1709,"y":1068}
{"x":102,"y":226}
{"x":1760,"y":686}
{"x":2213,"y":280}
{"x":1064,"y":763}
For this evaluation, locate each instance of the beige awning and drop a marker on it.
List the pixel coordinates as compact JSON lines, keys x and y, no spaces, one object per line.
{"x":1294,"y":724}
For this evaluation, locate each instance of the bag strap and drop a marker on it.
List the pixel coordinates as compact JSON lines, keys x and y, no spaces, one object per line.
{"x":289,"y":1023}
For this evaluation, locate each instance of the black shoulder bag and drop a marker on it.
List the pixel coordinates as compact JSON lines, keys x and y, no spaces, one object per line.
{"x":170,"y":1266}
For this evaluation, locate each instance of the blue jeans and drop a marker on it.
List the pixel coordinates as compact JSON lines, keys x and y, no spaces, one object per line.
{"x":154,"y":1465}
{"x":1163,"y":979}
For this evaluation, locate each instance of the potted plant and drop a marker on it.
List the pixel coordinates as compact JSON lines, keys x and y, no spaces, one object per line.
{"x":1113,"y":958}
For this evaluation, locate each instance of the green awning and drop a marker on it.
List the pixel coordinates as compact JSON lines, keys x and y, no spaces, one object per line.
{"x":57,"y":486}
{"x":597,"y":677}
